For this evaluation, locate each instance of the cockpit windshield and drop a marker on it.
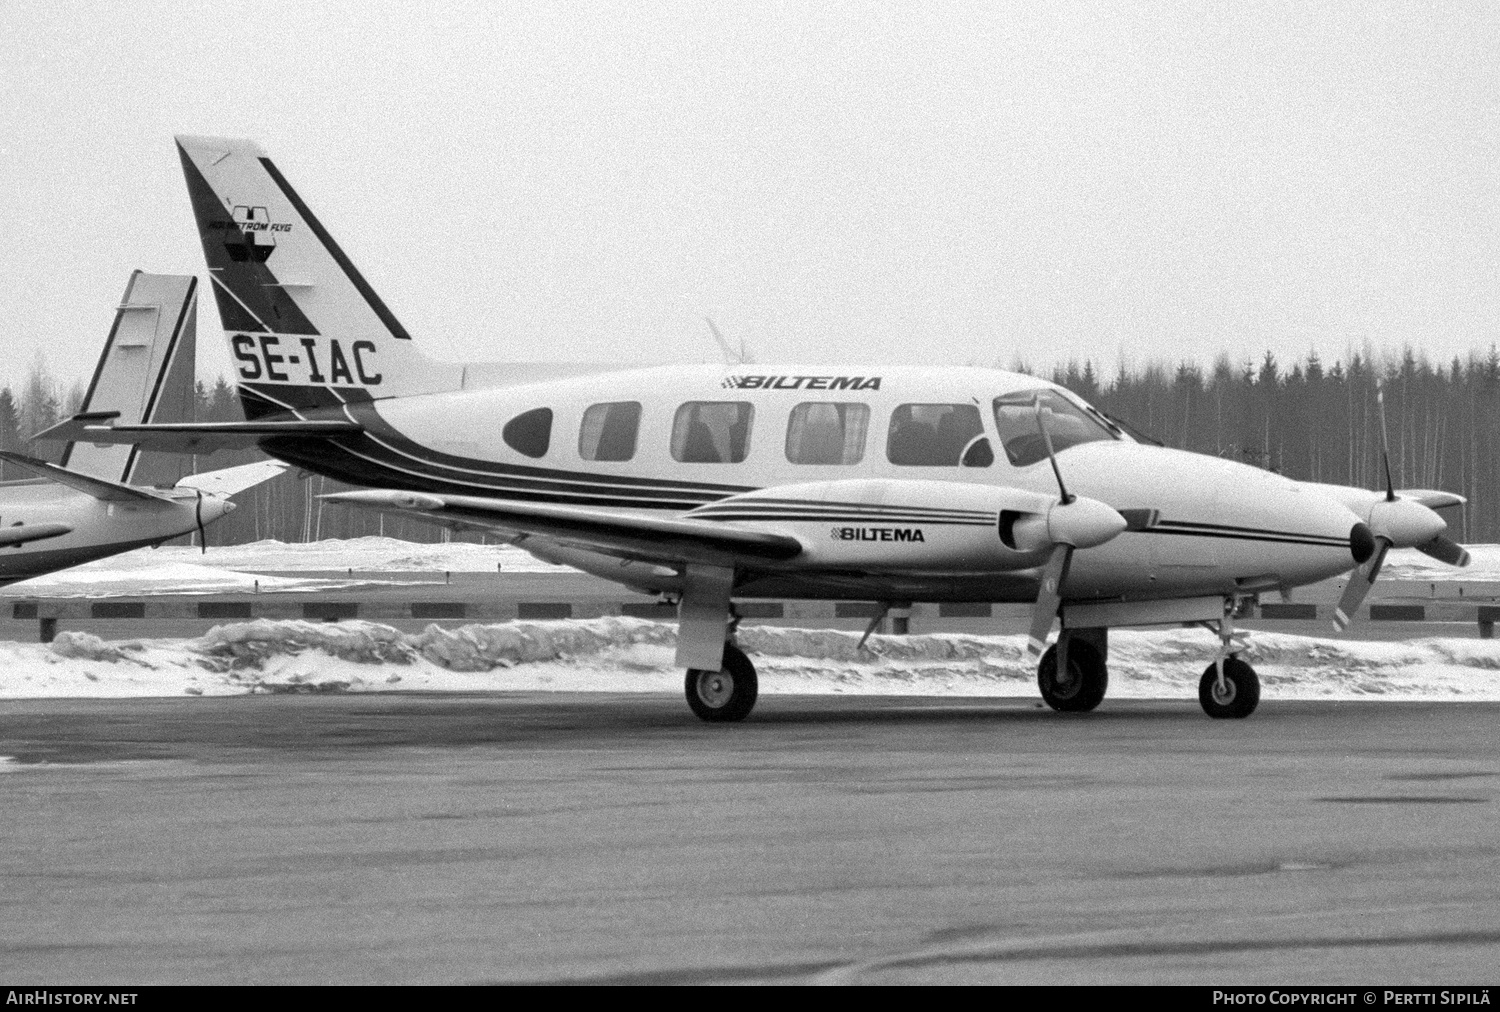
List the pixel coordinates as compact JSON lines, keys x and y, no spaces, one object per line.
{"x":1067,"y":424}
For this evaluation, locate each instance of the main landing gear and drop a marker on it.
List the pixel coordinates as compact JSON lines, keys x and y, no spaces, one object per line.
{"x":721,"y":685}
{"x":1081,"y":686}
{"x":724,"y":695}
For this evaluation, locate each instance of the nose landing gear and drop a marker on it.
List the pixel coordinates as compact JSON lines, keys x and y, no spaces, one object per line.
{"x":1233,"y":693}
{"x":1229,"y":688}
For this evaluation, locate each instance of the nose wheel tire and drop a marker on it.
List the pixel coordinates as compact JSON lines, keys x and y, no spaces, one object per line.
{"x":727,"y":694}
{"x":1239,"y":695}
{"x":1082,"y":688}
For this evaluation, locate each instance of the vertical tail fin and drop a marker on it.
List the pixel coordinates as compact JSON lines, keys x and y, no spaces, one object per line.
{"x":305,"y":328}
{"x":146,"y":374}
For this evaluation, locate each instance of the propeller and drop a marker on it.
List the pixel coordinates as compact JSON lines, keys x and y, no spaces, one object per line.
{"x":1071,"y":523}
{"x":1445,"y":550}
{"x":1395,"y":521}
{"x":198,"y":519}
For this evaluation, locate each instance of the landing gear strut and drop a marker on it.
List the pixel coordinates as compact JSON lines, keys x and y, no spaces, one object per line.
{"x":1081,"y":687}
{"x":724,"y":695}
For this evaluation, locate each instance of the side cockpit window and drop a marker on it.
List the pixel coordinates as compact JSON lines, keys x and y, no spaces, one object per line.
{"x":529,"y":433}
{"x":712,"y":432}
{"x":937,"y":435}
{"x":1067,"y":424}
{"x":608,"y":431}
{"x":827,"y":433}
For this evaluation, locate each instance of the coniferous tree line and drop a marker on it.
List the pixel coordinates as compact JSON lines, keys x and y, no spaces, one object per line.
{"x":1309,"y":421}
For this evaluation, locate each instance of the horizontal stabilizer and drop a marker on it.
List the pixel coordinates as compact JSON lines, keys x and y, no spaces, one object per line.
{"x":230,"y":480}
{"x":195,"y":437}
{"x":625,"y":536}
{"x":105,"y":491}
{"x":21,"y":534}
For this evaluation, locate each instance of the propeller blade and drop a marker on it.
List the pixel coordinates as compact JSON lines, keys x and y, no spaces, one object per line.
{"x":1446,"y":550}
{"x":1062,"y":490}
{"x":198,"y":518}
{"x":1360,"y":582}
{"x":1385,"y":444}
{"x":1049,"y":597}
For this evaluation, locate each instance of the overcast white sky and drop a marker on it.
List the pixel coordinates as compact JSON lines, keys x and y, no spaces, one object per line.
{"x":868,"y":183}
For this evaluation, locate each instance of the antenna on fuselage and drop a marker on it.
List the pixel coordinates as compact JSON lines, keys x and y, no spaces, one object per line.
{"x":731,"y":357}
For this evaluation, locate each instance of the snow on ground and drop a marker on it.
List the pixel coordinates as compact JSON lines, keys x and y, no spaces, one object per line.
{"x":182,"y":569}
{"x":635,"y":655}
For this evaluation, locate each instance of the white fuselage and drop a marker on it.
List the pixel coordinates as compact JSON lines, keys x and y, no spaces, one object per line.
{"x":1220,"y":526}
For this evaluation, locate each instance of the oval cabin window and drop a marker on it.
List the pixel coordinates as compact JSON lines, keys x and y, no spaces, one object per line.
{"x":529,"y":433}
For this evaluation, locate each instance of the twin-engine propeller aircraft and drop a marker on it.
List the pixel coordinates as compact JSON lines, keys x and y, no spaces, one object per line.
{"x":711,"y":484}
{"x":104,"y":500}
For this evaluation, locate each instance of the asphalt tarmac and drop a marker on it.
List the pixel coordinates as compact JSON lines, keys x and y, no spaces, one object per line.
{"x":593,"y":838}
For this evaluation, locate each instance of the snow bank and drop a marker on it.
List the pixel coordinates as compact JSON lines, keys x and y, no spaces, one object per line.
{"x":635,"y":655}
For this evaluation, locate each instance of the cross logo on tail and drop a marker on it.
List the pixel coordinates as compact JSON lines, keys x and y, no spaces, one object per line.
{"x":253,"y":242}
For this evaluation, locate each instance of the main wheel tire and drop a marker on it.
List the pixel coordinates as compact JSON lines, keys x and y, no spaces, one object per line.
{"x":1241,"y":691}
{"x":724,"y":695}
{"x":1083,"y":688}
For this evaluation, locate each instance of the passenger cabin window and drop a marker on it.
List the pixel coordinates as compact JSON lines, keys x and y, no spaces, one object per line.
{"x":819,"y":433}
{"x":608,"y":431}
{"x":938,"y":435}
{"x":529,"y":433}
{"x":1067,"y":424}
{"x":712,"y":432}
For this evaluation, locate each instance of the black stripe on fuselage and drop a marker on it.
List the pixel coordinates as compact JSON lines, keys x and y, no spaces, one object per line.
{"x":769,"y":505}
{"x":1228,"y":533}
{"x":842,"y":518}
{"x":1198,"y":525}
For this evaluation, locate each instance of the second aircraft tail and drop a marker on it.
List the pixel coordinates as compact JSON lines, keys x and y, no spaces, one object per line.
{"x":145,"y":375}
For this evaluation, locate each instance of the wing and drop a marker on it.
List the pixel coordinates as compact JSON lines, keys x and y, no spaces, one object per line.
{"x":191,"y":437}
{"x":105,"y":491}
{"x":233,"y":479}
{"x":624,"y":536}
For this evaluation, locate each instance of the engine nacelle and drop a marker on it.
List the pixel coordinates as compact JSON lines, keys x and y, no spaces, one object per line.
{"x":919,"y":525}
{"x":1404,"y":522}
